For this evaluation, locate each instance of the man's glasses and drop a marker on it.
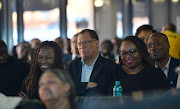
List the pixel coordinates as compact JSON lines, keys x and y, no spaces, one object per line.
{"x":85,"y":43}
{"x":130,"y":52}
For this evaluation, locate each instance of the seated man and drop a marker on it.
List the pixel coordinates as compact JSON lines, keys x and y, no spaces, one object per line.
{"x":88,"y":70}
{"x":158,"y":48}
{"x":12,"y":72}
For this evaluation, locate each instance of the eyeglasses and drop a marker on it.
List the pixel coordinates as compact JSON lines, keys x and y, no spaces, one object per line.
{"x":85,"y":43}
{"x":130,"y":52}
{"x":25,"y":48}
{"x":153,"y":45}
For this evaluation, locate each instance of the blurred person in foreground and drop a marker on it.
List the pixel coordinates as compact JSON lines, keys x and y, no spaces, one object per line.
{"x":158,"y":48}
{"x":47,"y":55}
{"x":56,"y":89}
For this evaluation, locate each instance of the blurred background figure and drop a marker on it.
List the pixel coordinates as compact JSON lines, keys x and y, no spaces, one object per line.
{"x":61,"y":44}
{"x":174,"y":40}
{"x":67,"y":46}
{"x":47,"y":55}
{"x":35,"y":42}
{"x":144,"y":31}
{"x":12,"y":72}
{"x":106,"y":49}
{"x":158,"y":48}
{"x":116,"y":43}
{"x":56,"y":89}
{"x":74,"y":49}
{"x":13,"y":52}
{"x":30,"y":55}
{"x":22,"y":50}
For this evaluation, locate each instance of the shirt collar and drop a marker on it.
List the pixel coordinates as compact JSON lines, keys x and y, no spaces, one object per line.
{"x":93,"y":62}
{"x":167,"y":65}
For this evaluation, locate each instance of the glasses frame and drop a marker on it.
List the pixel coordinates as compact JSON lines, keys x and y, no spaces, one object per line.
{"x":130,"y":52}
{"x":85,"y":43}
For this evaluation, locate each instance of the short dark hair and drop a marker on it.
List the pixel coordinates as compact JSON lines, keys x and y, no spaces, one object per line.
{"x":142,"y":48}
{"x":110,"y":44}
{"x":92,"y":33}
{"x":144,"y":27}
{"x":170,"y":27}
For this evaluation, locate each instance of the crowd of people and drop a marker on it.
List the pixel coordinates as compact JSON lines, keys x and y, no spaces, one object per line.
{"x":56,"y":72}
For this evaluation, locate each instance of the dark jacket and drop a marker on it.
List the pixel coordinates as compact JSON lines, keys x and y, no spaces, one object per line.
{"x":172,"y":75}
{"x":101,"y":67}
{"x":12,"y":74}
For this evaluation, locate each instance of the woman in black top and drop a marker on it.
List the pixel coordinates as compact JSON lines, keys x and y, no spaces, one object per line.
{"x":136,"y":70}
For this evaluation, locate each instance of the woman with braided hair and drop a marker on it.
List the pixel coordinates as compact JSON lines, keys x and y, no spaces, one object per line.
{"x":47,"y":55}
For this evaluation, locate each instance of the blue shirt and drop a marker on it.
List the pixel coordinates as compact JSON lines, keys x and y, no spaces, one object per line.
{"x":86,"y":71}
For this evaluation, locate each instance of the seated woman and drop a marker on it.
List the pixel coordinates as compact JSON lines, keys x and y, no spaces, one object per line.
{"x":136,"y":70}
{"x":56,"y":89}
{"x":47,"y":55}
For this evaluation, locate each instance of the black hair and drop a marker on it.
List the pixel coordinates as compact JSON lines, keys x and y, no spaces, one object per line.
{"x":142,"y":48}
{"x":92,"y":33}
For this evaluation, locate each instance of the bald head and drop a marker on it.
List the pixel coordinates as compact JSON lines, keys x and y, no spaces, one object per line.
{"x":35,"y":42}
{"x":158,"y":46}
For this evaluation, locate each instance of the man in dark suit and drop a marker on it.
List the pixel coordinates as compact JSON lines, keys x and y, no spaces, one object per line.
{"x":158,"y":48}
{"x":88,"y":70}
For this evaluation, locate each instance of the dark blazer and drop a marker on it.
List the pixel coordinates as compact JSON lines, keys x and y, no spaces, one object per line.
{"x":101,"y":67}
{"x":172,"y":75}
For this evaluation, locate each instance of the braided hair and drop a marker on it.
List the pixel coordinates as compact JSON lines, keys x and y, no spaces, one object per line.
{"x":32,"y":79}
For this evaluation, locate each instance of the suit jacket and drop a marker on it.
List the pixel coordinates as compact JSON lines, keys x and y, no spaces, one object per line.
{"x":101,"y":67}
{"x":172,"y":75}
